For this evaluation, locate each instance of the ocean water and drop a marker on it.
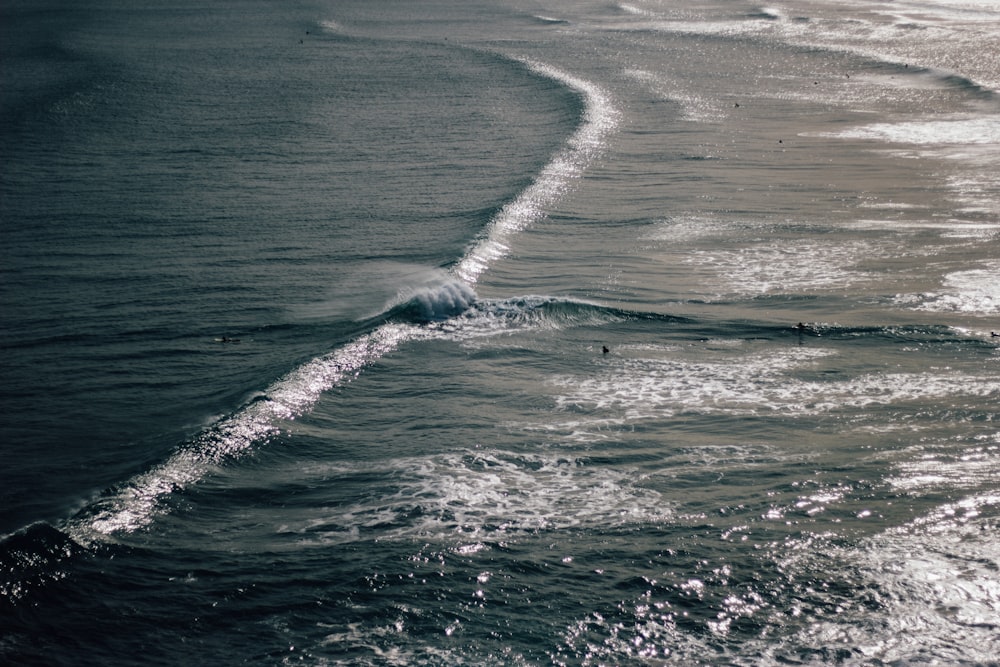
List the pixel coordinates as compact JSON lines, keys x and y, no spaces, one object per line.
{"x":500,"y":333}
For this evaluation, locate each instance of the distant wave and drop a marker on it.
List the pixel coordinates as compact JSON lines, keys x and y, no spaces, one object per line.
{"x":549,"y":20}
{"x":600,"y":118}
{"x":870,"y":38}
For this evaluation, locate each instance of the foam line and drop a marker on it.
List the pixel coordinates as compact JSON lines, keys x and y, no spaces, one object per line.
{"x":600,"y":118}
{"x":135,"y":504}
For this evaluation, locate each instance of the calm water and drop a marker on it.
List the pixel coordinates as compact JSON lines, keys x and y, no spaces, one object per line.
{"x":514,"y":333}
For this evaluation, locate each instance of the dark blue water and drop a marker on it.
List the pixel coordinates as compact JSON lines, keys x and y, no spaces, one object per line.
{"x":451,"y":333}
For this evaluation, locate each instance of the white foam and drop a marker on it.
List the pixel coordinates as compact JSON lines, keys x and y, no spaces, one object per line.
{"x":435,"y":295}
{"x":937,"y":34}
{"x":762,"y":383}
{"x":973,"y":292}
{"x":550,"y":19}
{"x":645,"y":388}
{"x":949,"y":229}
{"x":446,"y":301}
{"x":891,"y":206}
{"x":954,"y":131}
{"x":962,"y":11}
{"x":469,"y":497}
{"x":774,"y":13}
{"x":792,"y":266}
{"x":635,"y":11}
{"x":493,"y":317}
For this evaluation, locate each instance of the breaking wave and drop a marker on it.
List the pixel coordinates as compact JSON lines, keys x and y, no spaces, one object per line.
{"x":434,"y":298}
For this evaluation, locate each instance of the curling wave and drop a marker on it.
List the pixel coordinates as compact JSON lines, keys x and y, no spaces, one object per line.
{"x":434,"y":302}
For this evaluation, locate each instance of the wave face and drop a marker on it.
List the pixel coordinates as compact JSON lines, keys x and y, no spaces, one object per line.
{"x":434,"y":299}
{"x":636,"y":333}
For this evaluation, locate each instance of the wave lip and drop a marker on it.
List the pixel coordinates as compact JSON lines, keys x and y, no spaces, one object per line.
{"x":972,"y":292}
{"x":435,"y":303}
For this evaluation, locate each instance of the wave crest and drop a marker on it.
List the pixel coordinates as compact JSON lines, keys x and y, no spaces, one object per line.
{"x":435,"y":301}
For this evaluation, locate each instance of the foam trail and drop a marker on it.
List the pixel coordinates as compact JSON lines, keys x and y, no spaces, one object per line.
{"x":600,"y":118}
{"x":135,"y":504}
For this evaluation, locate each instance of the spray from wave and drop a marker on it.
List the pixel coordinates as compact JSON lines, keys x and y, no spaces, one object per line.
{"x":430,"y":296}
{"x":443,"y":302}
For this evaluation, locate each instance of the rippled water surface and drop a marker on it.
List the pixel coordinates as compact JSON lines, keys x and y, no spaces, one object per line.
{"x":521,"y":333}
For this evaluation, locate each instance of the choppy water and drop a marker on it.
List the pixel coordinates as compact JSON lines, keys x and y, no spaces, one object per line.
{"x":500,"y":333}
